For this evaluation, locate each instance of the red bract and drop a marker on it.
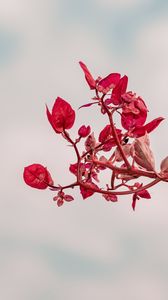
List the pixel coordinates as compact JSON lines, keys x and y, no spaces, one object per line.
{"x":105,"y":134}
{"x":142,"y":194}
{"x":149,"y":127}
{"x":108,"y":82}
{"x":84,"y":131}
{"x":89,"y":78}
{"x":37,"y":176}
{"x":74,"y":167}
{"x":119,"y":89}
{"x":62,"y":116}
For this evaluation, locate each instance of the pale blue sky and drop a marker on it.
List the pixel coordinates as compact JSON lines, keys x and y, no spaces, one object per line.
{"x":88,"y":249}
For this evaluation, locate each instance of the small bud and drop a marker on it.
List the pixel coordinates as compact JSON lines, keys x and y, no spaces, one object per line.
{"x":84,"y":131}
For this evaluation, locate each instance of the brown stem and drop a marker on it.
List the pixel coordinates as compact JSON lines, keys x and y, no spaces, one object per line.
{"x":73,"y":144}
{"x":132,"y":171}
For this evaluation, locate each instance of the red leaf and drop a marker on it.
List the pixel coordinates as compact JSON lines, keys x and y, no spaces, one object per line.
{"x":60,"y":202}
{"x":37,"y":176}
{"x":62,"y":116}
{"x":144,"y":194}
{"x":74,"y":167}
{"x":140,"y":130}
{"x":68,"y":198}
{"x":108,"y":82}
{"x":86,"y":192}
{"x":88,"y":104}
{"x":107,"y":139}
{"x":105,"y":133}
{"x":112,"y":198}
{"x":90,"y":80}
{"x":119,"y":89}
{"x":84,"y":131}
{"x":134,"y":199}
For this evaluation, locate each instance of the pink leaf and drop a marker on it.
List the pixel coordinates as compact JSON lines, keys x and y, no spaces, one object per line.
{"x":126,"y":149}
{"x":90,"y":142}
{"x":164,"y":165}
{"x":142,"y":154}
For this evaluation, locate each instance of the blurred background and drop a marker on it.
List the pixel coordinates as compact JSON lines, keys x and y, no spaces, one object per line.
{"x":88,"y":249}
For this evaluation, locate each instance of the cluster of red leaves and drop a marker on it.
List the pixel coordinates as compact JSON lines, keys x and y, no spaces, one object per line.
{"x":130,"y":154}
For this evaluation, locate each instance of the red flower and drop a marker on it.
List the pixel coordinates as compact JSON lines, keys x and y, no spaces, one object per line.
{"x":84,"y":131}
{"x":89,"y":78}
{"x":62,"y":116}
{"x":134,"y":111}
{"x":37,"y":176}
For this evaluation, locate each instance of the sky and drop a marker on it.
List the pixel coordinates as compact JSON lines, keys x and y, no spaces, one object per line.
{"x":88,"y":249}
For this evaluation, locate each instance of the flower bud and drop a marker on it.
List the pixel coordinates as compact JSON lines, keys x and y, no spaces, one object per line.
{"x":84,"y":131}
